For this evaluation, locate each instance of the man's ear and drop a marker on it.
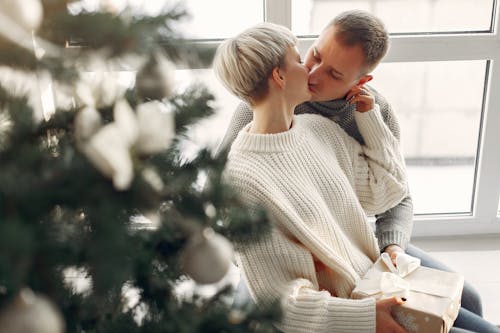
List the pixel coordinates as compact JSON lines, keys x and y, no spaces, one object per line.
{"x":277,"y":77}
{"x":364,"y":79}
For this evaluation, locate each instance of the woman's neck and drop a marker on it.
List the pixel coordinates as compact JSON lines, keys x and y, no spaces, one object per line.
{"x":271,"y":116}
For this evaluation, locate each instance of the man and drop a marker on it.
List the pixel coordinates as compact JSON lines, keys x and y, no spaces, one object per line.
{"x":340,"y":60}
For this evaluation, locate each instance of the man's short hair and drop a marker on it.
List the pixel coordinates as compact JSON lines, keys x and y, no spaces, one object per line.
{"x":358,"y":27}
{"x":243,"y":63}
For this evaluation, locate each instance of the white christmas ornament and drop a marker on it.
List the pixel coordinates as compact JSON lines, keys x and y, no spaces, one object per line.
{"x":27,"y":14}
{"x":154,"y":79}
{"x":87,"y":123}
{"x":31,"y":313}
{"x":109,"y":148}
{"x":98,"y":89}
{"x":127,"y":122}
{"x":109,"y":153}
{"x":207,"y":257}
{"x":5,"y":127}
{"x":156,"y":127}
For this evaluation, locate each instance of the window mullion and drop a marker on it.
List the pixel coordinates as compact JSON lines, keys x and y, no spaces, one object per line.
{"x":442,"y":47}
{"x":445,"y":225}
{"x":278,"y":11}
{"x":488,"y":178}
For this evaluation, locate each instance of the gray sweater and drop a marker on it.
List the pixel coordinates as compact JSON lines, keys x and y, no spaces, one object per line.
{"x":392,"y":227}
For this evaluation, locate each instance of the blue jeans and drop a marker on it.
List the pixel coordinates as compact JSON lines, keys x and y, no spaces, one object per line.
{"x":467,"y":322}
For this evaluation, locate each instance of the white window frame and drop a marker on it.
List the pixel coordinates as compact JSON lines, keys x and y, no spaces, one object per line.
{"x":484,"y":218}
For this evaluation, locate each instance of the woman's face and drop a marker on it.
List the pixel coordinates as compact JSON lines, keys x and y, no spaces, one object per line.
{"x":296,"y":74}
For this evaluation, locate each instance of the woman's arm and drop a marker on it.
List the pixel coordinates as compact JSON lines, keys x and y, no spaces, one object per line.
{"x":276,"y":268}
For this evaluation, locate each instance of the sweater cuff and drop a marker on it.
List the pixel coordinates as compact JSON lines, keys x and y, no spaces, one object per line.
{"x":372,"y":127}
{"x":356,"y":316}
{"x":392,"y":237}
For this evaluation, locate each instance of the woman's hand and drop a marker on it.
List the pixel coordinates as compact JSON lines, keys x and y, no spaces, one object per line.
{"x":364,"y":99}
{"x":393,"y":251}
{"x":385,"y":322}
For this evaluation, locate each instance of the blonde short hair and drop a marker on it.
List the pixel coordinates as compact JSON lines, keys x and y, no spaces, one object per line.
{"x":243,"y":63}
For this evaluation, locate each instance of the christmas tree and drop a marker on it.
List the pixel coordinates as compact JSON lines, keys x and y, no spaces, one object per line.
{"x":101,"y":215}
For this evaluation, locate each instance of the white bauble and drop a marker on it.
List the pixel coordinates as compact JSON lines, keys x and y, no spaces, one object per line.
{"x":26,"y":13}
{"x":207,"y":257}
{"x":87,"y":123}
{"x":31,"y":313}
{"x":126,"y":121}
{"x":156,"y":127}
{"x":99,"y":89}
{"x":109,"y":152}
{"x":6,"y":126}
{"x":155,"y":79}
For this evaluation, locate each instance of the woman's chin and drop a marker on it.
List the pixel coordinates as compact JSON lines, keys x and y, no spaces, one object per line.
{"x":307,"y":97}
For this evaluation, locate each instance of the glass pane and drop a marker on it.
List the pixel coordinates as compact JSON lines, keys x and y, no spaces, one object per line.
{"x":208,"y":19}
{"x":221,"y":18}
{"x":400,"y":16}
{"x":209,"y":131}
{"x":438,"y":105}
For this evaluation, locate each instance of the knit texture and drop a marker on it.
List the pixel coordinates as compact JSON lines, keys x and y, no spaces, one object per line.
{"x":316,"y":182}
{"x":393,"y":226}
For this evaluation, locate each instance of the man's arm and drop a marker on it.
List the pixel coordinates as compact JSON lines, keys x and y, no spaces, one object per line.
{"x":242,"y":116}
{"x":393,"y":227}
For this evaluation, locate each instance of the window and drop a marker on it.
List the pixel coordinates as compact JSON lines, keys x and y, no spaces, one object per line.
{"x":426,"y":15}
{"x":207,"y":19}
{"x":438,"y":105}
{"x":221,"y":18}
{"x":209,"y":131}
{"x":457,"y":191}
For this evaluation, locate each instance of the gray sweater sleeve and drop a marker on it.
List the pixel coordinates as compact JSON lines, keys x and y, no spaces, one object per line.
{"x":395,"y":225}
{"x":241,"y":117}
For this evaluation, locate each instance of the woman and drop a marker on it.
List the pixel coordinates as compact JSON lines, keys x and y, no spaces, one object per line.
{"x":317,"y":184}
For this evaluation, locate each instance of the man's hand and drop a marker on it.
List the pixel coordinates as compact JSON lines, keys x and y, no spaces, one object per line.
{"x":393,"y":251}
{"x":385,"y":322}
{"x":364,"y":99}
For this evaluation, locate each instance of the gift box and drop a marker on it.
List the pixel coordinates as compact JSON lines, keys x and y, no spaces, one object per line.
{"x":433,"y":296}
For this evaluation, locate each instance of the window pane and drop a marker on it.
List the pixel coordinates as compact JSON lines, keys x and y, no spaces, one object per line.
{"x":222,"y":18}
{"x":398,"y":15}
{"x":438,"y":105}
{"x":209,"y":131}
{"x":208,"y":19}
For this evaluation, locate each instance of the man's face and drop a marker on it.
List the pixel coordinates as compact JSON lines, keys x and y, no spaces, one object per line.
{"x":334,"y":68}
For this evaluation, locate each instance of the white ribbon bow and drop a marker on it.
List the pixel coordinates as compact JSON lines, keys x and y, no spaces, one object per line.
{"x":405,"y":264}
{"x":390,"y":283}
{"x":147,"y":131}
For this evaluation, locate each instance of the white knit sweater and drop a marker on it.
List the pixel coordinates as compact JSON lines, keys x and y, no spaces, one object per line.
{"x":317,"y":184}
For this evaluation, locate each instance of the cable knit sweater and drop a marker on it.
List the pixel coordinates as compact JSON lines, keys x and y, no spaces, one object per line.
{"x":309,"y":179}
{"x":393,"y":226}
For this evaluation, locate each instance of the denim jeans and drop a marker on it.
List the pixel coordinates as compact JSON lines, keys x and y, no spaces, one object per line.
{"x":467,"y":322}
